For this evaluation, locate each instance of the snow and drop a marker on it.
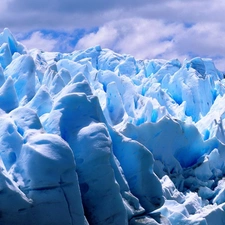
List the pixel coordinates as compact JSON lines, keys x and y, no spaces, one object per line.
{"x":95,"y":137}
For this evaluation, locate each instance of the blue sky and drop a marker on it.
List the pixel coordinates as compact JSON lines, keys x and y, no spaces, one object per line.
{"x":144,"y":28}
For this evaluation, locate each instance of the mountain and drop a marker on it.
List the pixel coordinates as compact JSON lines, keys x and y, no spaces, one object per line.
{"x":94,"y":137}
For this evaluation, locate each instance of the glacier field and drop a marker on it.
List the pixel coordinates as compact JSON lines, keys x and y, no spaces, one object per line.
{"x":94,"y":137}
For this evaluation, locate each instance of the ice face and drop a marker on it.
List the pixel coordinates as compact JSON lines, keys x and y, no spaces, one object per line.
{"x":137,"y":164}
{"x":22,"y":71}
{"x":95,"y":137}
{"x":92,"y":154}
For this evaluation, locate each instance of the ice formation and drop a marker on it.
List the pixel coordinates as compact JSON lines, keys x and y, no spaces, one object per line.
{"x":98,"y":138}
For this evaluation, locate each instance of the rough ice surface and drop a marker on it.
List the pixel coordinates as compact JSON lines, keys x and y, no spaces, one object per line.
{"x":93,"y":137}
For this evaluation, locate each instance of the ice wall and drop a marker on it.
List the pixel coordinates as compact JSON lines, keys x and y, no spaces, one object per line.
{"x":94,"y":137}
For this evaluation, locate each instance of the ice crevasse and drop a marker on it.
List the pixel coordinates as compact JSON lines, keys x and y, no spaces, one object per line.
{"x":94,"y":137}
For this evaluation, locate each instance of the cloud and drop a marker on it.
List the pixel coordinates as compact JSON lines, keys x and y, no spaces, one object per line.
{"x":51,"y":40}
{"x":40,"y":41}
{"x":3,"y":6}
{"x":203,"y":39}
{"x":146,"y":38}
{"x":69,"y":14}
{"x":145,"y":29}
{"x":139,"y":37}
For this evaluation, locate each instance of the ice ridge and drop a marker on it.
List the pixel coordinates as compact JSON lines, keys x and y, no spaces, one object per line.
{"x":94,"y":137}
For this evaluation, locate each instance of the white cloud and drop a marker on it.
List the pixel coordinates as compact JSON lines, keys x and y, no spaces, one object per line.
{"x":145,"y":29}
{"x":29,"y":15}
{"x":139,"y":37}
{"x":106,"y":36}
{"x":3,"y":6}
{"x":40,"y":41}
{"x":220,"y":64}
{"x":203,"y":39}
{"x":146,"y":38}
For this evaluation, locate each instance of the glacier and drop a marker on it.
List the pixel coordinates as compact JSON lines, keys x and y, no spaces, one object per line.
{"x":94,"y":137}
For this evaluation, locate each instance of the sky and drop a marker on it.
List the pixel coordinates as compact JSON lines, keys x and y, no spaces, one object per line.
{"x":146,"y":29}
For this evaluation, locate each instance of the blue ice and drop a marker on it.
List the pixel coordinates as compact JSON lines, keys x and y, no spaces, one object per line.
{"x":94,"y":137}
